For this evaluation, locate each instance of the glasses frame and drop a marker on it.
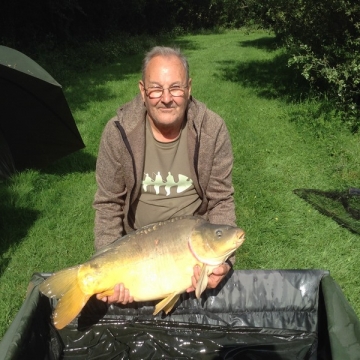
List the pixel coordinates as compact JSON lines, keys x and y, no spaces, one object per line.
{"x":163,"y":89}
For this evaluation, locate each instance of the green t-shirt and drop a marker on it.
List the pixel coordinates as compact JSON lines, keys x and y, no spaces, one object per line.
{"x":167,"y":189}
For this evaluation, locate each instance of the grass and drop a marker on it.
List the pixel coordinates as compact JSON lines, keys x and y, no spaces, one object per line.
{"x":283,"y":140}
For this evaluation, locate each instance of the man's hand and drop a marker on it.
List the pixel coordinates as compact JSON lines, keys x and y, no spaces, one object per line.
{"x":120,"y":296}
{"x":214,"y":278}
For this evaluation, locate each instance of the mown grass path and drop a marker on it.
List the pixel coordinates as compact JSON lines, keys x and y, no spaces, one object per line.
{"x":282,"y":141}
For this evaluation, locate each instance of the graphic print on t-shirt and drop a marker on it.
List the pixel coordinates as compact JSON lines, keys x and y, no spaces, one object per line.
{"x":167,"y":187}
{"x":158,"y":182}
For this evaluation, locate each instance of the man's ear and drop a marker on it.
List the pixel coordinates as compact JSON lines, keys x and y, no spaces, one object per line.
{"x":189,"y":87}
{"x":142,"y":89}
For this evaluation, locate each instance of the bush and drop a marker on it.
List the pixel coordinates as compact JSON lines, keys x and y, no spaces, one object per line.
{"x":323,"y":38}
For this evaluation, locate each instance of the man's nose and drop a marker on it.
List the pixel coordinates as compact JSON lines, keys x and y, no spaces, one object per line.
{"x":166,"y":96}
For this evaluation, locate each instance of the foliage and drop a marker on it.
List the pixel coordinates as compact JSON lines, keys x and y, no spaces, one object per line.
{"x":323,"y":38}
{"x":22,"y":22}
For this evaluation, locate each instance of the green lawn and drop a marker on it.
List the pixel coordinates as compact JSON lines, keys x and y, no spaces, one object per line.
{"x":282,"y":141}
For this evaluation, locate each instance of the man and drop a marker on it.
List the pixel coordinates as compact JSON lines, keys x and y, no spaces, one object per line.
{"x":164,"y":155}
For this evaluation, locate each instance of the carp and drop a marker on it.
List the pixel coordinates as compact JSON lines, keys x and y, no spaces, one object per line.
{"x":155,"y":262}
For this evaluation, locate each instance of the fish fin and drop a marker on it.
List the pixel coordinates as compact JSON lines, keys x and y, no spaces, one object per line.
{"x":63,"y":285}
{"x":167,"y":304}
{"x":202,"y":282}
{"x":69,"y":306}
{"x":59,"y":283}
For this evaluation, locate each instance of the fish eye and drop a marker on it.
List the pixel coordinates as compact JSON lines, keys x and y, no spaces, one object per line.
{"x":218,"y":233}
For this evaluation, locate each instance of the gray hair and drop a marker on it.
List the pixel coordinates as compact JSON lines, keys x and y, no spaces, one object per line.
{"x":165,"y":52}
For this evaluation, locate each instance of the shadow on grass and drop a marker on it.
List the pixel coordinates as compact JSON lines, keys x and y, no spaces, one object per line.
{"x":270,"y":79}
{"x":269,"y":43}
{"x":342,"y":206}
{"x":14,"y":225}
{"x":185,"y":45}
{"x":92,"y":86}
{"x":79,"y":161}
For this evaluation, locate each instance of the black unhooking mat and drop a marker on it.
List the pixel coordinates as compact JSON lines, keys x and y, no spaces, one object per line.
{"x":254,"y":314}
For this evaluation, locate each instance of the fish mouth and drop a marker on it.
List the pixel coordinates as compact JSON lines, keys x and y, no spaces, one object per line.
{"x":240,"y":234}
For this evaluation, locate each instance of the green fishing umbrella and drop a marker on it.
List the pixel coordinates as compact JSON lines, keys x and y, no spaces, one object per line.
{"x":36,"y":124}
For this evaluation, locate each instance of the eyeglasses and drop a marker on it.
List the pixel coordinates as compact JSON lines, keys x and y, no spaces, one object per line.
{"x":157,"y":92}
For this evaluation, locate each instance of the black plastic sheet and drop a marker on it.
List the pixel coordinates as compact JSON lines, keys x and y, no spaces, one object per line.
{"x":152,"y":340}
{"x":260,"y":314}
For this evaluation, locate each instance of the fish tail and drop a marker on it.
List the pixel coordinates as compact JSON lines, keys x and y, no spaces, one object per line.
{"x":64,"y":286}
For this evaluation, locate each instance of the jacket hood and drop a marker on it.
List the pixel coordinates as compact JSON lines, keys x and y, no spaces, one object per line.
{"x":131,"y":114}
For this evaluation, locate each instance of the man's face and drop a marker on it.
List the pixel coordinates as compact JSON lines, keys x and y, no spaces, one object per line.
{"x":167,"y":111}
